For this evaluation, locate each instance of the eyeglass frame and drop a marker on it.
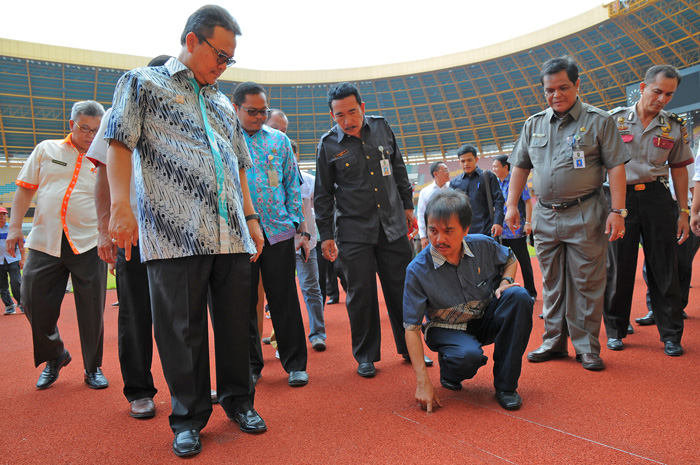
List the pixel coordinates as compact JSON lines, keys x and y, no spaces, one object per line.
{"x":253,"y":112}
{"x":86,"y":130}
{"x":221,"y":55}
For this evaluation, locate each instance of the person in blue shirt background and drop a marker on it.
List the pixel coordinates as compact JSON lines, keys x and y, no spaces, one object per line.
{"x":11,"y":266}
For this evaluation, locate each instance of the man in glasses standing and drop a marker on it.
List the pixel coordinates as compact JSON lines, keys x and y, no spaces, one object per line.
{"x":63,"y":240}
{"x":275,"y":190}
{"x":197,"y":227}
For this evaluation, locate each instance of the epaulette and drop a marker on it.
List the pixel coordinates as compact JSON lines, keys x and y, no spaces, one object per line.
{"x":592,"y":109}
{"x":616,"y":110}
{"x":541,"y":113}
{"x":677,"y":119}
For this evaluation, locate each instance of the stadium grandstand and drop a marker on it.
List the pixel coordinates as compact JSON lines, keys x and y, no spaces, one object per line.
{"x":480,"y":96}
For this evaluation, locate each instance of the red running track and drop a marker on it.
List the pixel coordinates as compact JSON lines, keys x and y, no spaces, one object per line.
{"x":643,"y":408}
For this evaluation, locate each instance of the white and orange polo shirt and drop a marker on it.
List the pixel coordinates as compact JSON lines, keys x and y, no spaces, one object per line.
{"x":65,"y":185}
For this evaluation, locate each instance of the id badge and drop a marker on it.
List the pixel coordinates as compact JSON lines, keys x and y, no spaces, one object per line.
{"x":386,"y":167}
{"x":579,"y":159}
{"x":273,"y":177}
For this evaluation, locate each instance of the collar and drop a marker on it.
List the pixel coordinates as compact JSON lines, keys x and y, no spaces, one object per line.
{"x":439,"y":259}
{"x":574,"y":111}
{"x":341,"y":134}
{"x":175,"y":66}
{"x":265,"y":128}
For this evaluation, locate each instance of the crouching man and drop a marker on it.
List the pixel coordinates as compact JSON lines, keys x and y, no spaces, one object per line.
{"x":463,"y":286}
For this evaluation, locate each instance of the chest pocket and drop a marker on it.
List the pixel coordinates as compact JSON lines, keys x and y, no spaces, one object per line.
{"x":348,"y":170}
{"x":587,"y":144}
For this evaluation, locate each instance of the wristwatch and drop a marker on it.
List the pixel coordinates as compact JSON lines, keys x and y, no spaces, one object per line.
{"x":622,"y":211}
{"x":508,"y":278}
{"x":306,"y":235}
{"x":254,"y":216}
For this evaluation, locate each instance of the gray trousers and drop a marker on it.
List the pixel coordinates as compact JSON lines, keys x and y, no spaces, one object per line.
{"x":571,"y":247}
{"x":43,"y":288}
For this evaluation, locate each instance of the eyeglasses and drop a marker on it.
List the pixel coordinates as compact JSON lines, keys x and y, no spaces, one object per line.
{"x":85,"y":129}
{"x":221,"y":57}
{"x":253,"y":112}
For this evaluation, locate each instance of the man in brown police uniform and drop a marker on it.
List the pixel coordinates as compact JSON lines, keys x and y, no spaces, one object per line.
{"x":657,"y":141}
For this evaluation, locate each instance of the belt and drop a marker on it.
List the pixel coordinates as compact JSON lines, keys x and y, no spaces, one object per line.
{"x":645,"y":186}
{"x":557,"y":207}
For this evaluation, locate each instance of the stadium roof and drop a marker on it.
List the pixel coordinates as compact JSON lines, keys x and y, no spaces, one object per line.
{"x":479,"y":96}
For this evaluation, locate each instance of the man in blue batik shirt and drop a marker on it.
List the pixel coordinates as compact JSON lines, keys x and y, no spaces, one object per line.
{"x":517,"y":240}
{"x":462,"y":285}
{"x":276,"y":194}
{"x":197,"y":227}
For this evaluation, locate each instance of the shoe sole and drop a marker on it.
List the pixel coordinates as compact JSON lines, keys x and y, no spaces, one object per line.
{"x":142,"y":416}
{"x":368,"y":375}
{"x":188,"y":453}
{"x":618,"y":348}
{"x":592,"y":367}
{"x":251,"y":431}
{"x":58,"y":372}
{"x":674,"y":354}
{"x":91,"y":386}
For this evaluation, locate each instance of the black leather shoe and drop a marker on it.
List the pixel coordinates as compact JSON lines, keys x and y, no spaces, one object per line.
{"x":540,"y":355}
{"x":646,"y":320}
{"x":186,"y":443}
{"x":50,"y":373}
{"x":509,"y":400}
{"x":451,"y":385}
{"x":615,"y":344}
{"x":250,"y":422}
{"x":673,"y":349}
{"x":333,"y":300}
{"x":96,"y":380}
{"x":143,"y":408}
{"x":591,"y":362}
{"x":630,"y":329}
{"x":366,"y":370}
{"x":298,"y":378}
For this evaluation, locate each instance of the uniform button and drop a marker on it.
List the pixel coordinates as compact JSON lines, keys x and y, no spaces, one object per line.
{"x":372,"y":173}
{"x":375,"y":189}
{"x":347,"y":164}
{"x":368,"y":157}
{"x":379,"y":206}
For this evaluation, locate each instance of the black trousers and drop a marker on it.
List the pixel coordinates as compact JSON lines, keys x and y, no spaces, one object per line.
{"x":277,"y":266}
{"x":685,"y":253}
{"x":134,"y":326}
{"x":11,"y":269}
{"x":507,"y":323}
{"x":360,"y":264}
{"x":43,"y":289}
{"x":519,"y":248}
{"x":651,"y":217}
{"x":180,"y":290}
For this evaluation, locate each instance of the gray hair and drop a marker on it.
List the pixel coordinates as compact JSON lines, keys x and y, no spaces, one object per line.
{"x":87,"y":108}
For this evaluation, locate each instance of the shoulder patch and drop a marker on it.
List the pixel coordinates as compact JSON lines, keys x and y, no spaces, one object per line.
{"x":677,"y":119}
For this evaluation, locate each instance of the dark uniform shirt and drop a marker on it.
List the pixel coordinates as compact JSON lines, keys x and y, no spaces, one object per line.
{"x":473,"y":185}
{"x":448,"y":296}
{"x":349,"y":179}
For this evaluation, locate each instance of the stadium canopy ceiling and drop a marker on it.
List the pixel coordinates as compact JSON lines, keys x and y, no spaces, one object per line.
{"x":481,"y":96}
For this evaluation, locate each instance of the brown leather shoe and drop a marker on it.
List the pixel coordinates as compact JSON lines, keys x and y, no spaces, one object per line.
{"x":541,"y":355}
{"x":591,"y":362}
{"x":143,"y":408}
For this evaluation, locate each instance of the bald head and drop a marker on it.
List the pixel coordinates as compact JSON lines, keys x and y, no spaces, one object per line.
{"x":278,"y":120}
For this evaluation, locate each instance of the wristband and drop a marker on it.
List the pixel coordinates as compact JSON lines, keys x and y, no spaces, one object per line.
{"x":254,"y":216}
{"x":306,"y":235}
{"x":684,"y":210}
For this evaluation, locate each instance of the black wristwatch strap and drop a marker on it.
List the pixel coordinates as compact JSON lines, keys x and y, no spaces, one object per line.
{"x":254,"y":216}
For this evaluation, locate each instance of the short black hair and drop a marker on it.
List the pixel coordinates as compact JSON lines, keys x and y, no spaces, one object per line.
{"x":160,"y":60}
{"x":557,"y":65}
{"x":435,"y":166}
{"x":203,"y":21}
{"x":445,"y":203}
{"x":246,"y":88}
{"x":668,"y":71}
{"x":503,"y":160}
{"x":341,"y":91}
{"x":466,"y":148}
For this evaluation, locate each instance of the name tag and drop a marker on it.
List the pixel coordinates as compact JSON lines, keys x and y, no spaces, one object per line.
{"x":663,"y":142}
{"x":579,"y":159}
{"x":59,"y":162}
{"x":386,"y":167}
{"x":273,"y":177}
